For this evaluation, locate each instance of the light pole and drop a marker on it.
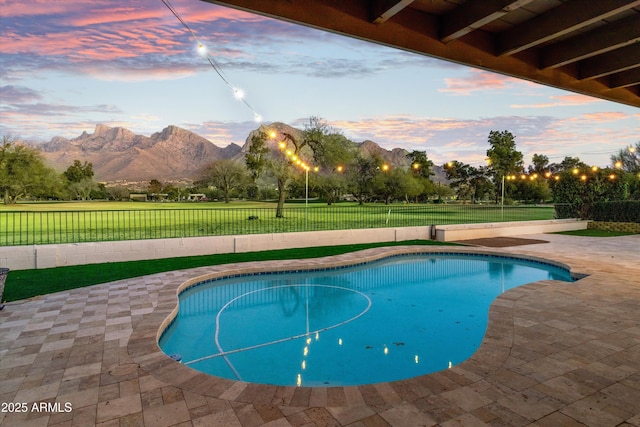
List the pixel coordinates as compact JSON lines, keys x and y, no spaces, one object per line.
{"x":509,"y":178}
{"x":502,"y":204}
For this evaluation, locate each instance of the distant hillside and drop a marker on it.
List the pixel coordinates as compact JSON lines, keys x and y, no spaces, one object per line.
{"x":174,"y":153}
{"x":118,"y":154}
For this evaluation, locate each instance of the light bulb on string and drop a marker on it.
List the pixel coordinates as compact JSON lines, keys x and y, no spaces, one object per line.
{"x":202,"y":50}
{"x":238,"y":93}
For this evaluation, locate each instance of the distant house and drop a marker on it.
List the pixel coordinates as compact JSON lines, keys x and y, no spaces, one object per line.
{"x":159,"y":197}
{"x":138,"y":197}
{"x":197,"y":197}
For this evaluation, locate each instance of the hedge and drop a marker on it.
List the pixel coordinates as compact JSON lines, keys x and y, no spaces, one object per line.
{"x":618,"y":211}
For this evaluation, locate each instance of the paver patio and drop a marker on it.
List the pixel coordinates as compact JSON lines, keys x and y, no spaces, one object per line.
{"x":555,"y":354}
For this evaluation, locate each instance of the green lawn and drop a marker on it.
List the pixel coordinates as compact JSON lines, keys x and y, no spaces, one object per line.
{"x":23,"y":284}
{"x":48,"y":223}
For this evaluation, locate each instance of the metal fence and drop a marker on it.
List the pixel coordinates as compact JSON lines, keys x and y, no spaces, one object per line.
{"x":50,"y":227}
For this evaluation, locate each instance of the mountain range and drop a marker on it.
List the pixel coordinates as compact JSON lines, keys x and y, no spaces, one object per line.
{"x":117,"y":154}
{"x":173,"y":154}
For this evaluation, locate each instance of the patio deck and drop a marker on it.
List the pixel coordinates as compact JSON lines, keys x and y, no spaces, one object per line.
{"x":555,"y":354}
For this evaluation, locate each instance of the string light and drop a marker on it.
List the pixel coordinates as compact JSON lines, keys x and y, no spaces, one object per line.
{"x":238,"y":94}
{"x":202,"y":50}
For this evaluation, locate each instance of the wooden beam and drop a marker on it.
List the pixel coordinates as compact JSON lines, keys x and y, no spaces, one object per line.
{"x":559,"y":21}
{"x":416,"y":31}
{"x":474,"y":14}
{"x":625,"y":78}
{"x":383,"y":10}
{"x":622,"y":59}
{"x":601,"y":40}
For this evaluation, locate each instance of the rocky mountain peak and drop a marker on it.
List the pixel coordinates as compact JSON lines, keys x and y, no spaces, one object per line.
{"x":170,"y":131}
{"x":119,"y":154}
{"x":111,"y":134}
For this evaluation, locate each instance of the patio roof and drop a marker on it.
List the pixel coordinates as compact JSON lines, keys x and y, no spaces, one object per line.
{"x":588,"y":47}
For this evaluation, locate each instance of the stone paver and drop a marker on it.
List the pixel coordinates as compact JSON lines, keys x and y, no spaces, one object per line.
{"x":554,"y":354}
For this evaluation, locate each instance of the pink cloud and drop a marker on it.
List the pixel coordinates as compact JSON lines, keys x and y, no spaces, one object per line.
{"x":99,"y":12}
{"x":578,"y":137}
{"x":138,"y":75}
{"x":571,"y":100}
{"x":439,"y":137}
{"x":11,"y":8}
{"x":605,"y":116}
{"x":478,"y":80}
{"x":465,"y":140}
{"x":71,"y":32}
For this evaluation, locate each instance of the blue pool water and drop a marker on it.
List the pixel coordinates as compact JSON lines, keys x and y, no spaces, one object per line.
{"x":387,"y":320}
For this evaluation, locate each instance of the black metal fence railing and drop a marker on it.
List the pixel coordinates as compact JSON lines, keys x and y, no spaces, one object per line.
{"x":53,"y":227}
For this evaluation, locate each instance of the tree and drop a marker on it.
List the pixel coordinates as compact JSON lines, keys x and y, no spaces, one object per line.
{"x":173,"y":192}
{"x":391,"y":184}
{"x":226,"y":175}
{"x":628,"y":159}
{"x":360,"y":175}
{"x":468,"y":181}
{"x":539,"y":164}
{"x":257,"y":155}
{"x":154,"y":187}
{"x":331,"y":151}
{"x":23,"y":172}
{"x":261,"y":158}
{"x":481,"y":183}
{"x":117,"y":192}
{"x":80,"y":180}
{"x":329,"y":147}
{"x":441,"y":191}
{"x":504,"y":159}
{"x":418,"y":187}
{"x":420,"y":164}
{"x":583,"y":186}
{"x":532,"y":189}
{"x":79,"y":172}
{"x":568,"y":164}
{"x":264,"y":159}
{"x":82,"y":189}
{"x":281,"y":155}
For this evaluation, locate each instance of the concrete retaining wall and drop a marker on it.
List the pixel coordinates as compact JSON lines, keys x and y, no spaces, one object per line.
{"x":48,"y":256}
{"x":453,"y":233}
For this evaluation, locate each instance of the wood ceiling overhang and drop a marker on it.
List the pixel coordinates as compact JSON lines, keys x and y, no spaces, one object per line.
{"x":590,"y":47}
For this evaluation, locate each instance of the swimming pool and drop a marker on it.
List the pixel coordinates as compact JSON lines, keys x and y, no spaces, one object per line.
{"x":387,"y":320}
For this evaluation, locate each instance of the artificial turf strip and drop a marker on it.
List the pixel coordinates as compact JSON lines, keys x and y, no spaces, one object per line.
{"x":22,"y":284}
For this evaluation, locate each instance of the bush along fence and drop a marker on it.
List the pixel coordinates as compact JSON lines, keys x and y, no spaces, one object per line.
{"x":610,"y":216}
{"x":617,"y":211}
{"x":53,"y":227}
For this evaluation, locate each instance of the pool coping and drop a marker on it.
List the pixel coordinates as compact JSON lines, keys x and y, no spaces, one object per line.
{"x":490,"y":356}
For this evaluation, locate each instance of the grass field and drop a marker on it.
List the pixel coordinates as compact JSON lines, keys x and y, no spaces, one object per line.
{"x":74,"y":222}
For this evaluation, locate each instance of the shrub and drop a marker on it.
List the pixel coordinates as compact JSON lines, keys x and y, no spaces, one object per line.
{"x":567,"y":210}
{"x":618,"y":211}
{"x":614,"y":211}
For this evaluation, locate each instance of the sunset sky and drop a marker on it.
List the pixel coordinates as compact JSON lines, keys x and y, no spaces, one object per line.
{"x":68,"y":65}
